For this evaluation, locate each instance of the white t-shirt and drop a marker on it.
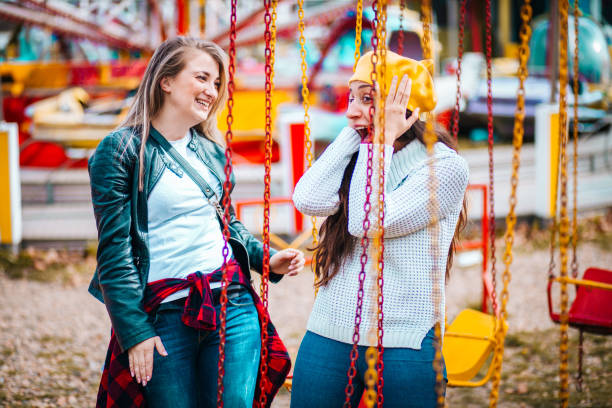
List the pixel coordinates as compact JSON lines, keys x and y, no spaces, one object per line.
{"x":184,"y":233}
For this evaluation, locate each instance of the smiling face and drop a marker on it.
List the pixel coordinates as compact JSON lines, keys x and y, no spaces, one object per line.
{"x":193,"y":91}
{"x":360,"y":101}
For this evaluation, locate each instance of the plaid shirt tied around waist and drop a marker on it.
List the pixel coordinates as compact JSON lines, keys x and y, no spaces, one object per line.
{"x":119,"y":389}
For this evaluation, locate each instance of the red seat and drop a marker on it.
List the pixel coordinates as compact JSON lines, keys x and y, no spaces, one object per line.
{"x":591,"y":310}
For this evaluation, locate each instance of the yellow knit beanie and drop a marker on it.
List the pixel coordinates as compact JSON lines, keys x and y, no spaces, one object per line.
{"x":422,"y":93}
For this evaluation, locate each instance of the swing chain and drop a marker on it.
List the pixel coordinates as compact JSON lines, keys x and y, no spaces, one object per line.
{"x":579,"y":383}
{"x":575,"y":144}
{"x":517,"y":142}
{"x":227,"y":202}
{"x":306,"y":103}
{"x":431,"y":138}
{"x":365,"y":241}
{"x":374,"y":355}
{"x":455,"y":128}
{"x":575,"y":186}
{"x":553,"y":237}
{"x":426,"y":21}
{"x":381,"y":209}
{"x":273,"y":43}
{"x":358,"y":27}
{"x":400,"y":35}
{"x":564,"y":219}
{"x":269,"y":36}
{"x":364,"y":259}
{"x":489,"y":47}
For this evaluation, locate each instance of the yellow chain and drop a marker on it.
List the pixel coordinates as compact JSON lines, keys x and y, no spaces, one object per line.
{"x":359,"y":17}
{"x":564,"y":222}
{"x":382,"y":46}
{"x":371,"y":375}
{"x":575,"y":174}
{"x":306,"y":103}
{"x":273,"y":40}
{"x":263,"y":289}
{"x":430,"y":140}
{"x":575,"y":155}
{"x":517,"y":142}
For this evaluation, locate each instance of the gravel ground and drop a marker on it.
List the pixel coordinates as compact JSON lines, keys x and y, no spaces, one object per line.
{"x":52,"y":344}
{"x":53,"y":336}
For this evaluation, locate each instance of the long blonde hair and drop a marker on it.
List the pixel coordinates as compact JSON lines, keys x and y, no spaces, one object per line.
{"x":167,"y":62}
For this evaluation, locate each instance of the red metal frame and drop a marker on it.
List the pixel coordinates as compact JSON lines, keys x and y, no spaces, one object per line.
{"x":482,"y":243}
{"x":240,"y":204}
{"x":297,"y":140}
{"x":298,"y":163}
{"x":182,"y":17}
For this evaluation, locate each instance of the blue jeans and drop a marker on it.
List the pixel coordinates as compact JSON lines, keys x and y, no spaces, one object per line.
{"x":187,"y":377}
{"x":320,"y":374}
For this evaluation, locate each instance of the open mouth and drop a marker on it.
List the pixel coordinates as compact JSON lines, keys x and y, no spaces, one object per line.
{"x":363,"y":132}
{"x":203,"y":103}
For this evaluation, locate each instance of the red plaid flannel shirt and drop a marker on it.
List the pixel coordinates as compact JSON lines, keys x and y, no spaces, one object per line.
{"x":119,"y":389}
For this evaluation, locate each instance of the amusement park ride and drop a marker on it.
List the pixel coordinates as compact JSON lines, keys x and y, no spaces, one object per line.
{"x":99,"y":92}
{"x":79,"y":108}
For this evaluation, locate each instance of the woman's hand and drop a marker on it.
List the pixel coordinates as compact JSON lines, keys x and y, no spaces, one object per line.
{"x":396,"y":122}
{"x":287,"y":262}
{"x":141,"y":358}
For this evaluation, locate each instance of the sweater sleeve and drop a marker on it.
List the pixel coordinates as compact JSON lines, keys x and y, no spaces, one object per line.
{"x":407,"y":207}
{"x":316,"y":193}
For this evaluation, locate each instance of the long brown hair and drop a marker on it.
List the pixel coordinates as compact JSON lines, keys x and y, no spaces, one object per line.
{"x":168,"y":61}
{"x":336,"y":243}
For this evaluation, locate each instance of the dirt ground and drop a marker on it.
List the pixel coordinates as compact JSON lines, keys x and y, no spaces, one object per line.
{"x":53,"y":334}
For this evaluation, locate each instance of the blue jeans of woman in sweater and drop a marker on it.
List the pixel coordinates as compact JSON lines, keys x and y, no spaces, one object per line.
{"x":187,"y":377}
{"x":320,"y":374}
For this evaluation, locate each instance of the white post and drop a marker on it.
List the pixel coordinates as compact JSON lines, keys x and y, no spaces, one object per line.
{"x":10,"y":186}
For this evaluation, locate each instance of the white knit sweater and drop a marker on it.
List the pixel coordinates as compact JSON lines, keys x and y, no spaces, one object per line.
{"x":408,"y":307}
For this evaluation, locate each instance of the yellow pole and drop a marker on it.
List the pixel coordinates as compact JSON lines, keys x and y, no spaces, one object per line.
{"x":202,"y":15}
{"x":554,"y":162}
{"x":504,"y":16}
{"x":10,"y":185}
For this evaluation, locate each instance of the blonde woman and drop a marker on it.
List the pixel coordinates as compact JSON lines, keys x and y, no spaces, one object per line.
{"x":156,"y":185}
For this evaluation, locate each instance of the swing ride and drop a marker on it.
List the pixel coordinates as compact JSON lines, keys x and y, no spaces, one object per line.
{"x":591,"y":310}
{"x":474,"y":338}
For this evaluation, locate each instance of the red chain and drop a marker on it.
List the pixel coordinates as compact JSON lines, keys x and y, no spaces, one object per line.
{"x":455,"y":129}
{"x":263,"y":369}
{"x":490,"y":140}
{"x":400,"y":35}
{"x":365,"y":241}
{"x":227,"y":202}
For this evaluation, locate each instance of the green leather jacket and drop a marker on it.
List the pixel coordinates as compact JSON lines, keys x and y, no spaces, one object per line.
{"x":121,"y":218}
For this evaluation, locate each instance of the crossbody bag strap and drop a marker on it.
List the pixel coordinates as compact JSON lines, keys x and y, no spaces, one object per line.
{"x":208,"y":191}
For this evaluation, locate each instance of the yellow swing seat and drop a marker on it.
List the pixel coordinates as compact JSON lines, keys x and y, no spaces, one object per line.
{"x":468,"y":343}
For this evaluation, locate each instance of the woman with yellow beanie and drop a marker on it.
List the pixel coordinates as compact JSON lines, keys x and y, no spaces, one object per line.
{"x":334,"y":187}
